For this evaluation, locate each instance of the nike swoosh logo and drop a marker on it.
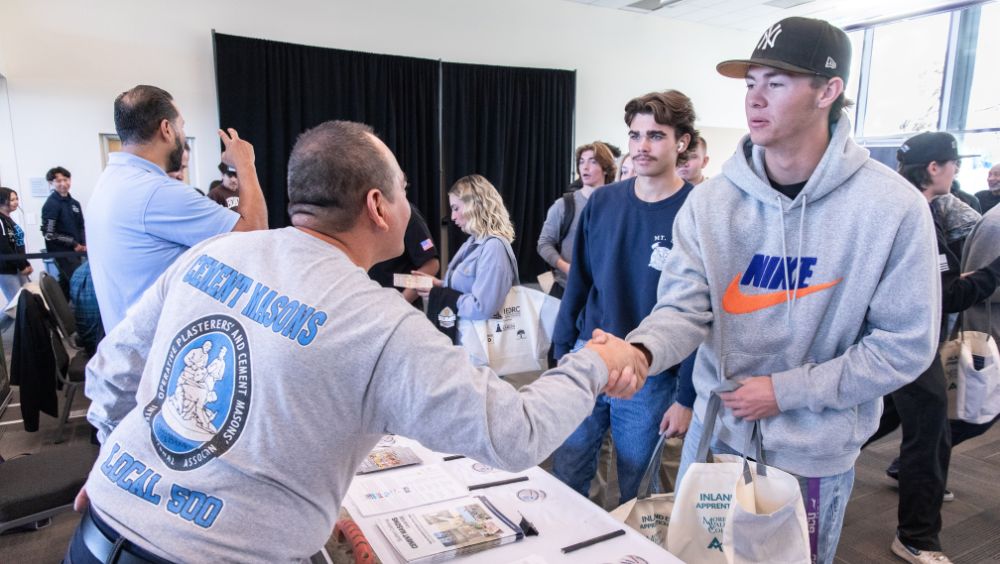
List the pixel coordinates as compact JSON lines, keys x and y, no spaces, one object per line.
{"x":734,"y":301}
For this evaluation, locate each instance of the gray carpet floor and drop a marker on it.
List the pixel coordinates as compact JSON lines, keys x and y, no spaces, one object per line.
{"x":971,"y":523}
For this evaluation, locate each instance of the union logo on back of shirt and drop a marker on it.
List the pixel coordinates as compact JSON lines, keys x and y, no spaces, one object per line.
{"x":203,"y":398}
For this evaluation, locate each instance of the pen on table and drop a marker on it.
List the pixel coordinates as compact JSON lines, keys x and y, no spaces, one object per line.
{"x":453,"y":457}
{"x":499,"y":483}
{"x":593,"y":541}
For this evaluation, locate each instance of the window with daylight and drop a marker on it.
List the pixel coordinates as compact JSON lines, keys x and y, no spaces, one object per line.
{"x":929,"y":73}
{"x":984,"y":94}
{"x":906,"y":76}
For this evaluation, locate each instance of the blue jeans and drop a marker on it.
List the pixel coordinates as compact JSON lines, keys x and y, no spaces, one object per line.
{"x":635,"y":428}
{"x":834,"y":492}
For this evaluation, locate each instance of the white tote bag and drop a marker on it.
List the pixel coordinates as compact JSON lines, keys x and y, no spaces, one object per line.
{"x":730,"y":511}
{"x":971,"y":364}
{"x":977,"y":382}
{"x":767,"y":519}
{"x":517,"y":337}
{"x":649,"y":512}
{"x":701,"y":503}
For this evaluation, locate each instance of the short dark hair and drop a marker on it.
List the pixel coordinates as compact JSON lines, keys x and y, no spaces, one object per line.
{"x":839,"y":105}
{"x":916,"y":174}
{"x":703,"y":143}
{"x":215,"y":184}
{"x":331,"y":169}
{"x":671,"y":108}
{"x":5,"y":194}
{"x":51,"y":174}
{"x":139,"y":112}
{"x":224,"y":169}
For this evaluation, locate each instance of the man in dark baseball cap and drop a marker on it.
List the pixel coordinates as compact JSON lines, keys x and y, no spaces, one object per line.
{"x":798,"y":45}
{"x":806,"y":248}
{"x":929,"y":162}
{"x":927,"y":147}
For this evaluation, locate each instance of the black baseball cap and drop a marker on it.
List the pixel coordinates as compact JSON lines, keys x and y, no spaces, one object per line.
{"x":929,"y":146}
{"x":799,"y":45}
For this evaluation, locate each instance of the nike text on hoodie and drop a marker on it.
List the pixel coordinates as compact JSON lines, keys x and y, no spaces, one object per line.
{"x":835,"y":294}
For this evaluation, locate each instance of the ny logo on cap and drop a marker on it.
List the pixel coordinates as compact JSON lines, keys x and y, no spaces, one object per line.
{"x":767,"y":40}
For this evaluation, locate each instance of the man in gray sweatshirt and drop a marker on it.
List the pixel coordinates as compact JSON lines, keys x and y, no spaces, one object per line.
{"x":807,"y":266}
{"x":237,"y":398}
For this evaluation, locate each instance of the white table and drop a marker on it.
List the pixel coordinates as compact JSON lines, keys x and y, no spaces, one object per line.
{"x":563,"y":517}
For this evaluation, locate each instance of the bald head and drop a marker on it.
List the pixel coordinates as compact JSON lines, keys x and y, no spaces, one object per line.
{"x":993,"y":179}
{"x":330,"y":171}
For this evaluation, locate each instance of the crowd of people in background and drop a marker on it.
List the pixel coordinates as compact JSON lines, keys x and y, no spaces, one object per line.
{"x":753,"y":278}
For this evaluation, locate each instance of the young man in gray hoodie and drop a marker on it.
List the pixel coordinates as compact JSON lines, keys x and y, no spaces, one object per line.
{"x":807,"y":266}
{"x":237,"y":398}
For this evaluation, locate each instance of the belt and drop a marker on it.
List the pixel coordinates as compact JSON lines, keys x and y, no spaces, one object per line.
{"x":120,"y":551}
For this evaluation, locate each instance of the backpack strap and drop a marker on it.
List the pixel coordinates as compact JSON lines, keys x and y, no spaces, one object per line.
{"x":569,"y":210}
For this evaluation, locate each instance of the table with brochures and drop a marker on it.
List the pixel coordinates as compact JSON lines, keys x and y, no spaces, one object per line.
{"x":434,"y":486}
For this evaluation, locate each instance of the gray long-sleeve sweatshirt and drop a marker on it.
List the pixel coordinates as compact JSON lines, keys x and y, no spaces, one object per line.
{"x":239,"y":395}
{"x":550,"y":247}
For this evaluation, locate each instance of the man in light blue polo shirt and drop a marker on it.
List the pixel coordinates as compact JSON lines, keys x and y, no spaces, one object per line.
{"x":142,"y":219}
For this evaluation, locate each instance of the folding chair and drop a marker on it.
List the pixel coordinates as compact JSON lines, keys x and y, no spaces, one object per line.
{"x":33,"y":488}
{"x":71,"y":361}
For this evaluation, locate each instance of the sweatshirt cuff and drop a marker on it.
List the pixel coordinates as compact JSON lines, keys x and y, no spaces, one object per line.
{"x":594,"y":360}
{"x":686,"y":397}
{"x":789,"y":389}
{"x":656,"y":346}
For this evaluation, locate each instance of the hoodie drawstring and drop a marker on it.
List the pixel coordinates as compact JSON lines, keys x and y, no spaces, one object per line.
{"x":790,"y":291}
{"x":798,"y":259}
{"x":784,"y":257}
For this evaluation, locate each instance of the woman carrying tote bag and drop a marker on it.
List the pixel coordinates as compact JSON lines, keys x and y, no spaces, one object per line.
{"x":483,"y":270}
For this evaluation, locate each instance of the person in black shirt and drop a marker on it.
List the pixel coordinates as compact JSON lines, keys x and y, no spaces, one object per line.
{"x":62,"y":225}
{"x":13,"y":272}
{"x":419,"y":254}
{"x":929,"y":161}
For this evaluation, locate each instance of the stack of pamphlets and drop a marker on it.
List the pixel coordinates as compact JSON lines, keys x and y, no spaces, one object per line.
{"x":387,"y":458}
{"x":445,"y":530}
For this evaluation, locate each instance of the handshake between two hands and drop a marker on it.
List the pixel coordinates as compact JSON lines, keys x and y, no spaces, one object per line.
{"x":628,"y":368}
{"x":627,"y":365}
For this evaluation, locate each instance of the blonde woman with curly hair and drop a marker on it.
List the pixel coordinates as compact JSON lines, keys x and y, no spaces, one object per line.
{"x":483,"y":270}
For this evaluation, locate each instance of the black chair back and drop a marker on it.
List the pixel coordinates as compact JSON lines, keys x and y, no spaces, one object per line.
{"x":57,"y":303}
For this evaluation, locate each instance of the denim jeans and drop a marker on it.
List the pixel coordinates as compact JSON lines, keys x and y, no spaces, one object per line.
{"x":635,"y":427}
{"x":834,"y":492}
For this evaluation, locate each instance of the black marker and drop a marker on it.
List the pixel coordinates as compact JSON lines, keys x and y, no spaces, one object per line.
{"x":453,"y":457}
{"x":499,"y":483}
{"x":593,"y":541}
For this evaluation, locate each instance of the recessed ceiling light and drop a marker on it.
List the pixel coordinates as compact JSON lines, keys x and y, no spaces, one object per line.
{"x":653,"y":5}
{"x":786,"y":3}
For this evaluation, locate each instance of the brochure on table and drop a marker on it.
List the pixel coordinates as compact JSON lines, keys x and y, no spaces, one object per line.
{"x":561,"y":516}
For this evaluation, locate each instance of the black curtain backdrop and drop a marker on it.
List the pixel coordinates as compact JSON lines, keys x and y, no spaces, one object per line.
{"x":512,"y":125}
{"x":515,"y":127}
{"x":270,"y":92}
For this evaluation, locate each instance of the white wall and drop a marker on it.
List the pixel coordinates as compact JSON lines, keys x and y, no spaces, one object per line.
{"x":66,"y":60}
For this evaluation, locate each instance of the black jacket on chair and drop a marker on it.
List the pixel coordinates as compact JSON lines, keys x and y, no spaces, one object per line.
{"x":33,"y":365}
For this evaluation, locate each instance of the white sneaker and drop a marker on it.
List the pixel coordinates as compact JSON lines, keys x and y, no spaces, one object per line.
{"x":911,"y":554}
